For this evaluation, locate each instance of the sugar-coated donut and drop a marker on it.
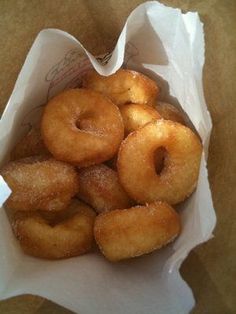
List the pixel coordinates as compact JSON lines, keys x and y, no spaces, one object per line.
{"x":124,"y":86}
{"x":136,"y":166}
{"x":68,"y":236}
{"x":82,"y":127}
{"x":122,"y":234}
{"x":100,"y":188}
{"x":137,"y":115}
{"x":40,"y":183}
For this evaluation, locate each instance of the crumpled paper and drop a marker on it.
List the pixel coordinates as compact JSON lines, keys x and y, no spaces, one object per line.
{"x":169,"y":47}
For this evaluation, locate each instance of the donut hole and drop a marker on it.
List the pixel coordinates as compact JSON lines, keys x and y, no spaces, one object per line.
{"x":55,"y":218}
{"x":51,"y":218}
{"x":79,"y":124}
{"x":85,"y":123}
{"x":159,"y":159}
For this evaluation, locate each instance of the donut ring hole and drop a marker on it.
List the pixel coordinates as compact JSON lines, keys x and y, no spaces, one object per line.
{"x":122,"y":91}
{"x":85,"y":122}
{"x":53,"y":219}
{"x":160,"y":155}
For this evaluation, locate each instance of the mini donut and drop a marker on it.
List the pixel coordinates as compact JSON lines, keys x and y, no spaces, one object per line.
{"x":40,"y":183}
{"x":124,"y":86}
{"x":100,"y":188}
{"x":82,"y":127}
{"x":122,"y":234}
{"x":136,"y":165}
{"x":137,"y":115}
{"x":170,"y":112}
{"x":71,"y":235}
{"x":30,"y":145}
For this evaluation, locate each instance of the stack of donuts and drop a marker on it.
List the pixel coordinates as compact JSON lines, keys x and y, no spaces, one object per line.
{"x":107,"y":165}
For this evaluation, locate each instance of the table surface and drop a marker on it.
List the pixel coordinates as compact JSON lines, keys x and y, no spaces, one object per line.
{"x":210,"y":269}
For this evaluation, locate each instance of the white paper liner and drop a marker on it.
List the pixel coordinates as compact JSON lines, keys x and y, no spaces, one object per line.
{"x":169,"y":47}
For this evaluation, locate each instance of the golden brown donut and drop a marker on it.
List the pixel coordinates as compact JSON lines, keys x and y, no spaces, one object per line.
{"x":124,"y":86}
{"x":170,"y":112}
{"x":100,"y":188}
{"x":71,"y":235}
{"x":82,"y":127}
{"x":40,"y":183}
{"x":127,"y":233}
{"x":137,"y":115}
{"x":30,"y":145}
{"x":136,"y":166}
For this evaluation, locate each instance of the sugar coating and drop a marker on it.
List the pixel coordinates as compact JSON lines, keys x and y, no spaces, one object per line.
{"x":71,"y":233}
{"x":177,"y":179}
{"x":40,"y":183}
{"x":100,"y":187}
{"x":122,"y":234}
{"x":82,"y":127}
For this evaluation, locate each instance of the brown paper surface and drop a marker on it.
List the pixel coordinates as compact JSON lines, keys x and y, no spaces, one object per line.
{"x":210,"y":269}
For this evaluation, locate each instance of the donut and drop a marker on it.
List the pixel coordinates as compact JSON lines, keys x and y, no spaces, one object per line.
{"x":82,"y":127}
{"x":40,"y":183}
{"x":137,"y":115}
{"x":68,"y":236}
{"x":136,"y":166}
{"x":170,"y":112}
{"x":124,"y":86}
{"x":122,"y":234}
{"x":30,"y":145}
{"x":100,"y":188}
